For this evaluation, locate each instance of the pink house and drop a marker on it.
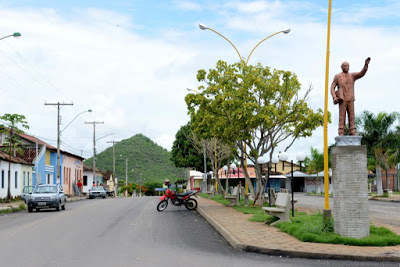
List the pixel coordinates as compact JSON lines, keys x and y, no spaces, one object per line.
{"x":72,"y":172}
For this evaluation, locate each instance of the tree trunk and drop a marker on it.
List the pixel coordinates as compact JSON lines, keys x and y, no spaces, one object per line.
{"x":247,"y":178}
{"x":379,"y":180}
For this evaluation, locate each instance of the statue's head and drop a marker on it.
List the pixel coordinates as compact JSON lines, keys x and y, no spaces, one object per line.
{"x":345,"y":67}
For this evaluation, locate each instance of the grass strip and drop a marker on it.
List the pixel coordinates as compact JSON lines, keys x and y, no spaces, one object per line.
{"x":259,"y":213}
{"x":13,"y":209}
{"x":309,"y":228}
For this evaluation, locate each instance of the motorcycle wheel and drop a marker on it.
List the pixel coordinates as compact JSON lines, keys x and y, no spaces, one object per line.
{"x":191,"y":204}
{"x":162,"y":205}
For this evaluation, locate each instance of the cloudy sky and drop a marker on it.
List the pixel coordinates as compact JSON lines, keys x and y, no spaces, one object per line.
{"x":130,"y":61}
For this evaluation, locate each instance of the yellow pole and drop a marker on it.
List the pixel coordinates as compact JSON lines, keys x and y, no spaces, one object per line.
{"x":326,"y":164}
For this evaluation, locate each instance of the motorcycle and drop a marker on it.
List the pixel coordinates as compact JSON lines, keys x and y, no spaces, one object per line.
{"x":178,"y":199}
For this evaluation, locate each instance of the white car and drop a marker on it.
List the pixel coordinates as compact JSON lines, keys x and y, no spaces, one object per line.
{"x":97,"y":191}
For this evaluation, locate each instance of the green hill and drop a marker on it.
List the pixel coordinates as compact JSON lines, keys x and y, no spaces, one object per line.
{"x":144,"y":156}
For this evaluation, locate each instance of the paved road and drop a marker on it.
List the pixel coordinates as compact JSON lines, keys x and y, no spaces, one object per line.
{"x":125,"y":232}
{"x":380,"y":212}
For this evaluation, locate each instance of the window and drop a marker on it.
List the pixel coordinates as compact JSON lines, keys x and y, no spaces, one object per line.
{"x":16,"y":180}
{"x":28,"y":178}
{"x":48,"y":178}
{"x":2,"y":178}
{"x":23,"y":175}
{"x":85,"y":180}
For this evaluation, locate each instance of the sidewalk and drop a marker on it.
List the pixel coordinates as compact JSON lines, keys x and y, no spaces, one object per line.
{"x":391,"y":198}
{"x":261,"y":238}
{"x":4,"y":206}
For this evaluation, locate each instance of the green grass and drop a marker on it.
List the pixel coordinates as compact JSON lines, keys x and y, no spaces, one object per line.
{"x":309,"y":228}
{"x":259,"y":214}
{"x":10,"y":210}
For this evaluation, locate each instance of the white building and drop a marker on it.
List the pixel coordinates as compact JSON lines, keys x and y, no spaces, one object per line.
{"x":21,"y":175}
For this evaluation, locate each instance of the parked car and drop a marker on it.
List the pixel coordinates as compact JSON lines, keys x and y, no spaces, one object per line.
{"x":97,"y":191}
{"x":26,"y":192}
{"x":47,"y":196}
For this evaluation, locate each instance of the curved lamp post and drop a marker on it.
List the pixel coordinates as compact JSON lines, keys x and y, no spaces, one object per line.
{"x":15,"y":34}
{"x":89,"y":110}
{"x":300,"y":157}
{"x":285,"y":31}
{"x":59,"y":143}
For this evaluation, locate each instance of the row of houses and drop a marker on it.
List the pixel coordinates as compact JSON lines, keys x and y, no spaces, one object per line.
{"x":280,"y":178}
{"x":37,"y":164}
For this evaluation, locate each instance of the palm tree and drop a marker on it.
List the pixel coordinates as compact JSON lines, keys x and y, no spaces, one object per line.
{"x":377,"y":132}
{"x":314,"y":163}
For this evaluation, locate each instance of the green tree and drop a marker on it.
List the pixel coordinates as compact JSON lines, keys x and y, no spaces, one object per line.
{"x":151,"y":188}
{"x":184,"y":154}
{"x":377,"y":132}
{"x":12,"y":140}
{"x":394,"y":151}
{"x":253,"y":107}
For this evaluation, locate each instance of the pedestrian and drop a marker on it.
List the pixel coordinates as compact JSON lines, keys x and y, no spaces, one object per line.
{"x":94,"y":184}
{"x":80,"y":187}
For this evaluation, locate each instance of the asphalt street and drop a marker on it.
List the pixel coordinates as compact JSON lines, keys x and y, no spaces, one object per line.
{"x":126,"y":232}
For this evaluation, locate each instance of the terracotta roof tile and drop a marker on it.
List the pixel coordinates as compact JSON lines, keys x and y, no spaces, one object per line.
{"x":6,"y":157}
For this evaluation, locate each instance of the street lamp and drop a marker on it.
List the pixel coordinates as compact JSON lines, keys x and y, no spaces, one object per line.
{"x":89,"y":110}
{"x":300,"y":157}
{"x":15,"y":34}
{"x":285,"y":31}
{"x":58,"y":140}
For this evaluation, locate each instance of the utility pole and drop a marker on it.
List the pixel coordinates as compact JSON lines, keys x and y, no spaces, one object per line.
{"x":126,"y":176}
{"x":94,"y":147}
{"x":113,"y":143}
{"x":58,"y":104}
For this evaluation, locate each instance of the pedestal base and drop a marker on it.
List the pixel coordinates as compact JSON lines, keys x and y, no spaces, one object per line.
{"x":350,"y":191}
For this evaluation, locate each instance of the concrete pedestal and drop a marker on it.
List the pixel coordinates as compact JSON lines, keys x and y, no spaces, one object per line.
{"x":350,"y":190}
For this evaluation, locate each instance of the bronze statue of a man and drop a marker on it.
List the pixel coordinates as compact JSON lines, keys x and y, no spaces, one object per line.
{"x":344,"y":95}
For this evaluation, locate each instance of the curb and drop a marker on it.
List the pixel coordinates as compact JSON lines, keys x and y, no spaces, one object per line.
{"x":288,"y":253}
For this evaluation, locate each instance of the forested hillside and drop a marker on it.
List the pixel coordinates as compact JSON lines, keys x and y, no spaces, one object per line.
{"x":144,"y":156}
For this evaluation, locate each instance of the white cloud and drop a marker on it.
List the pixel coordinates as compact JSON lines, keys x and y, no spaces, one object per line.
{"x":188,"y":5}
{"x":136,"y":83}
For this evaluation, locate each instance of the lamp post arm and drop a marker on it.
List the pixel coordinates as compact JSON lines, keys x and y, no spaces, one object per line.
{"x":73,"y":120}
{"x":259,"y":44}
{"x":237,"y":51}
{"x":104,"y":136}
{"x":6,"y":36}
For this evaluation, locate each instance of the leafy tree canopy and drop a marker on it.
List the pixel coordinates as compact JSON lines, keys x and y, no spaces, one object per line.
{"x":184,"y":154}
{"x":251,"y":106}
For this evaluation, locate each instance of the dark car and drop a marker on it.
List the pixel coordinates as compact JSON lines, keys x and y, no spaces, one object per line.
{"x":97,"y":191}
{"x":46,"y":196}
{"x":26,"y":192}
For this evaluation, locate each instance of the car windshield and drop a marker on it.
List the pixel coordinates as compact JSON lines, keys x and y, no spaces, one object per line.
{"x":45,"y":189}
{"x":97,"y":188}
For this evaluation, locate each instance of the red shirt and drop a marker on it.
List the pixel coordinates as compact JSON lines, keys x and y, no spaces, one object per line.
{"x":79,"y":184}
